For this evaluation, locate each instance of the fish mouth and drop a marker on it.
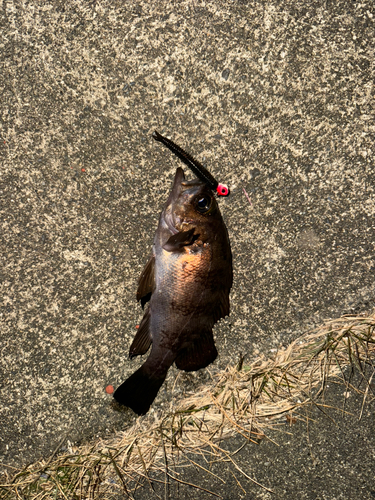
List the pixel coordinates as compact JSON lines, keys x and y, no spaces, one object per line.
{"x":180,"y":187}
{"x":193,"y":183}
{"x":179,"y":179}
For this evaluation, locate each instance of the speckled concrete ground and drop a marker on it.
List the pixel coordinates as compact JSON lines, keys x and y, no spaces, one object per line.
{"x":275,"y":97}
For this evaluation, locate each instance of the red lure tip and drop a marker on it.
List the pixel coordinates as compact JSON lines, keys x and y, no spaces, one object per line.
{"x":222,"y":190}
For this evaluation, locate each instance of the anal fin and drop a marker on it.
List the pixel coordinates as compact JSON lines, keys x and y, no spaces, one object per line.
{"x":222,"y":305}
{"x":200,"y":353}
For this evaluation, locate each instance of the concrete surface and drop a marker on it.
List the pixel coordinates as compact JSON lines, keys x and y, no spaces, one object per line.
{"x":275,"y":97}
{"x":326,"y":454}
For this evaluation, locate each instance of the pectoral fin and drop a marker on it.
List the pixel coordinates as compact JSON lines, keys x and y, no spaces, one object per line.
{"x":146,"y":282}
{"x":177,"y":241}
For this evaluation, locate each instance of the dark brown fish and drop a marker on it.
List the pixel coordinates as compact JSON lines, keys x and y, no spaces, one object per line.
{"x":187,"y":282}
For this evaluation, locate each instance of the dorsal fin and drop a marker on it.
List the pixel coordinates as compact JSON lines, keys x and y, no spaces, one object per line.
{"x":146,"y":282}
{"x":142,"y":339}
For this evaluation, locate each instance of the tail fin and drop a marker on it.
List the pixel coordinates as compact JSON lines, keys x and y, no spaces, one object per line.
{"x":139,"y":390}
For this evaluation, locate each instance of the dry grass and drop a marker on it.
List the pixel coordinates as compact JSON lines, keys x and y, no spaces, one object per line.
{"x":245,"y":400}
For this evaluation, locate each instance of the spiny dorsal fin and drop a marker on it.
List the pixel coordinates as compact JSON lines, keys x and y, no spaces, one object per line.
{"x":146,"y":282}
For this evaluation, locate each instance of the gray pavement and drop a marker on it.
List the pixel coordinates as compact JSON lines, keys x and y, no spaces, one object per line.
{"x":275,"y":97}
{"x":326,"y":454}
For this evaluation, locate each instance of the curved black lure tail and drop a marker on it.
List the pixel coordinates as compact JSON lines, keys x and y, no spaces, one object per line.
{"x":194,"y":165}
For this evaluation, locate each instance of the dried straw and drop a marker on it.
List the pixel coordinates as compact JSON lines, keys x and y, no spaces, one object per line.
{"x":247,"y":400}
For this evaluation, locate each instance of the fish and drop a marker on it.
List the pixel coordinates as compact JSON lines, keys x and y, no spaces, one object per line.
{"x":184,"y":289}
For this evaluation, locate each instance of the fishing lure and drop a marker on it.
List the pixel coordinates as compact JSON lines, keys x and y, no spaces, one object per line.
{"x":194,"y":165}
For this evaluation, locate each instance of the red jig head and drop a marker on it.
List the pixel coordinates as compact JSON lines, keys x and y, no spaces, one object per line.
{"x":194,"y":165}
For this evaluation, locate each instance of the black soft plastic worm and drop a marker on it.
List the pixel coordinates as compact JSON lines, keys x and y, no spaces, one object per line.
{"x":194,"y":165}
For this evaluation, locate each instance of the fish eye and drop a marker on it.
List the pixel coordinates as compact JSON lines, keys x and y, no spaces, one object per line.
{"x":203,"y":203}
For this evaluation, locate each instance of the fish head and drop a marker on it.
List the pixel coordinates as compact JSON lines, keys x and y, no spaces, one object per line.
{"x":191,"y":204}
